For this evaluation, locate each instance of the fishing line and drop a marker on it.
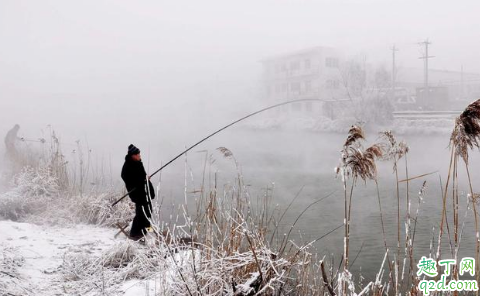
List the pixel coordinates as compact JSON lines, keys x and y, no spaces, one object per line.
{"x":216,"y":132}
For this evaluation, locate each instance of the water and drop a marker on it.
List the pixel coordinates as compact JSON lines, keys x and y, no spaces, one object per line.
{"x":286,"y":161}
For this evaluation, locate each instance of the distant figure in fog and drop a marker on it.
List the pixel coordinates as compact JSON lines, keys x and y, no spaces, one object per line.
{"x":10,"y":142}
{"x":136,"y":179}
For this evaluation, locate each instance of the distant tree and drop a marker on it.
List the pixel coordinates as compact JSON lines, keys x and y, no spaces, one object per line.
{"x":383,"y":78}
{"x":353,"y":74}
{"x":366,"y":106}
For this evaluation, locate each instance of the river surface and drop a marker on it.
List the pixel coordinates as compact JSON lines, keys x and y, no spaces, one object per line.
{"x":284,"y":162}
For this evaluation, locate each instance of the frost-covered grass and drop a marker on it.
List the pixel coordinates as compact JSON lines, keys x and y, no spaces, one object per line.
{"x":86,"y":273}
{"x":35,"y":196}
{"x":229,"y":245}
{"x":11,"y":282}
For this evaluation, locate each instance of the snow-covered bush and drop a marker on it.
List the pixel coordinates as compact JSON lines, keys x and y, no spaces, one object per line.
{"x":83,"y":273}
{"x":11,"y":282}
{"x":35,"y":182}
{"x":32,"y":191}
{"x":36,"y":197}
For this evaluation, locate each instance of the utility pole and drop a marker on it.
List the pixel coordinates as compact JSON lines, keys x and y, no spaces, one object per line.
{"x":394,"y":71}
{"x":425,"y":57}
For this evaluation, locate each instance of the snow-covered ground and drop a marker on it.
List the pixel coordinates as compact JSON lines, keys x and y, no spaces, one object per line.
{"x":88,"y":260}
{"x":34,"y":255}
{"x":341,"y":125}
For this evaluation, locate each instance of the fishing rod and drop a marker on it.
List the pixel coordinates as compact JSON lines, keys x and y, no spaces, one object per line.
{"x":216,"y":132}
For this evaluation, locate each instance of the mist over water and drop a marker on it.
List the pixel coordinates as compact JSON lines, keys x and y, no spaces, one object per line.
{"x":280,"y":163}
{"x":293,"y":160}
{"x":161,"y":76}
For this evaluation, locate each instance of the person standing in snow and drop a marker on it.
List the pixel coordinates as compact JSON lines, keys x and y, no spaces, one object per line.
{"x":142,"y":192}
{"x":10,"y":143}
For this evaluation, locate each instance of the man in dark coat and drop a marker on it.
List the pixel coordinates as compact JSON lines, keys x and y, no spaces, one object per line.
{"x":135,"y":178}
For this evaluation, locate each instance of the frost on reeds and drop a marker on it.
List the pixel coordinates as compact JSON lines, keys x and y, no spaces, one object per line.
{"x":49,"y":189}
{"x":11,"y":282}
{"x":85,"y":273}
{"x":355,"y":163}
{"x":36,"y":196}
{"x":176,"y":268}
{"x":465,"y":136}
{"x":393,"y":149}
{"x":31,"y":187}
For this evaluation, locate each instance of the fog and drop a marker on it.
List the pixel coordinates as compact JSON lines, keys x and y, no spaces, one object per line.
{"x":164,"y":74}
{"x":95,"y":68}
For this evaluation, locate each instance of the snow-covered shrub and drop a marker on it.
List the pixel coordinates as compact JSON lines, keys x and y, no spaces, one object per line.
{"x":97,"y":209}
{"x":32,"y":192}
{"x":83,"y":273}
{"x":11,"y":283}
{"x":36,"y":196}
{"x":89,"y":209}
{"x":35,"y":182}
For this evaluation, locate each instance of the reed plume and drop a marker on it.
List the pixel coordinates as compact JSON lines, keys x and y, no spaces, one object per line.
{"x":466,"y":133}
{"x":225,"y":151}
{"x":393,"y":149}
{"x":361,"y":164}
{"x":356,"y":163}
{"x":354,"y":135}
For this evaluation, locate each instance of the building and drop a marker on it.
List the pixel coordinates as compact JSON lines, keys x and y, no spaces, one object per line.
{"x":458,"y":87}
{"x":307,"y":74}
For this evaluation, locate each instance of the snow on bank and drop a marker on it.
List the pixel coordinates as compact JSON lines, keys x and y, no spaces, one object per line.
{"x":82,"y":260}
{"x":341,"y":125}
{"x":40,"y":251}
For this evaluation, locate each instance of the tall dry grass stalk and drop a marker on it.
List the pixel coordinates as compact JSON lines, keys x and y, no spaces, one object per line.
{"x":394,"y":151}
{"x":356,"y":163}
{"x":465,"y":136}
{"x":235,"y":244}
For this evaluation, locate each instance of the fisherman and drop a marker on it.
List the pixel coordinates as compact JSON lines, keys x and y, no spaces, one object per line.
{"x":10,"y":142}
{"x":141,"y":191}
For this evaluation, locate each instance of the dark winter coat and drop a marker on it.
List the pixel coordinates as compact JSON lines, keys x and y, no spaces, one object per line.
{"x":134,"y":176}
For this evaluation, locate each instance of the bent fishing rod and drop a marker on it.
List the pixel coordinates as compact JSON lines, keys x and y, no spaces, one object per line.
{"x":216,"y":132}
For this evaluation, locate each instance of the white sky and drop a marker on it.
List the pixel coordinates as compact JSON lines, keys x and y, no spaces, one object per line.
{"x":62,"y":61}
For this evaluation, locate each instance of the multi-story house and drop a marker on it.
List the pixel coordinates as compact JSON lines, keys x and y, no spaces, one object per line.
{"x":312,"y":73}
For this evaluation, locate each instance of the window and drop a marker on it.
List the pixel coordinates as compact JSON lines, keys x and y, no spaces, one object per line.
{"x":307,"y":63}
{"x":332,"y":84}
{"x":295,"y":86}
{"x":295,"y":65}
{"x":331,"y":62}
{"x":308,"y":85}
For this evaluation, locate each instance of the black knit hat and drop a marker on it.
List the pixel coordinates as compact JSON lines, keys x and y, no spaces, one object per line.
{"x":132,"y":150}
